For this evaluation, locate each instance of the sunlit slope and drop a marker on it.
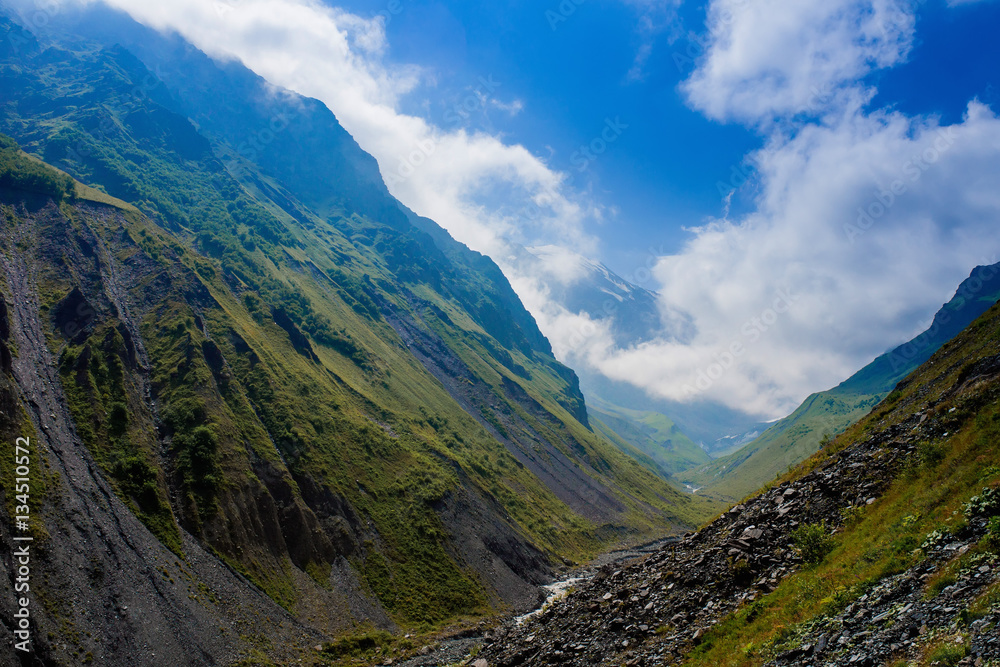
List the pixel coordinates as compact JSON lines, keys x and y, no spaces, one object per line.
{"x":314,"y":387}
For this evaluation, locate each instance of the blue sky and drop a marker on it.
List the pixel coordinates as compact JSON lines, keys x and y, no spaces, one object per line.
{"x":661,"y":172}
{"x":571,"y":73}
{"x":871,"y":125}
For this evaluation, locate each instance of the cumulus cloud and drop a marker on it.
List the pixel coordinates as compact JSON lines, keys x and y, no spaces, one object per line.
{"x":771,"y":58}
{"x":451,"y":175}
{"x":864,"y":221}
{"x":861,"y":232}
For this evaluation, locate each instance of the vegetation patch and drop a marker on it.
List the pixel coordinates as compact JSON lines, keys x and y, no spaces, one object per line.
{"x":21,"y":172}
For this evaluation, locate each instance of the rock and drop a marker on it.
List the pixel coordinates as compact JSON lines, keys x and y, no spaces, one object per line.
{"x":481,"y":662}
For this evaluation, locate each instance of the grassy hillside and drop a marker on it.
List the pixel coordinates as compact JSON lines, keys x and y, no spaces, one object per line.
{"x":790,"y":441}
{"x":652,"y":433}
{"x":825,"y":414}
{"x":950,"y":407}
{"x":314,"y":388}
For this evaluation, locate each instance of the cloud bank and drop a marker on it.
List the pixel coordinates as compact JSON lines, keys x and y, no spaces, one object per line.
{"x":865,"y":221}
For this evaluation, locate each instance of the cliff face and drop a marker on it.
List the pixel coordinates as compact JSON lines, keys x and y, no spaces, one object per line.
{"x":262,"y":410}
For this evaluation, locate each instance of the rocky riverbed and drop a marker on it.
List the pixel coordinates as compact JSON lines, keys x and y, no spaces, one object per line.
{"x":459,"y":649}
{"x":655,"y":610}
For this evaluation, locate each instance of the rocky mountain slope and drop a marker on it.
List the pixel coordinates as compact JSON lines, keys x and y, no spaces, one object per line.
{"x":827,"y":413}
{"x":269,"y":406}
{"x":882,"y":549}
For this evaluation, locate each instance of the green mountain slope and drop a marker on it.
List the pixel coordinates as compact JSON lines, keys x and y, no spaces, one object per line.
{"x":825,"y":414}
{"x":651,"y":433}
{"x":916,"y":547}
{"x":354,"y":415}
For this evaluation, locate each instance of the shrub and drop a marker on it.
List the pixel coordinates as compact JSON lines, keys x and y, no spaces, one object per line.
{"x":740,"y":571}
{"x":852,"y":514}
{"x":931,"y":454}
{"x":992,"y":539}
{"x":948,"y":656}
{"x":118,"y":419}
{"x":812,"y":542}
{"x":986,"y":503}
{"x":933,"y":539}
{"x":356,"y":645}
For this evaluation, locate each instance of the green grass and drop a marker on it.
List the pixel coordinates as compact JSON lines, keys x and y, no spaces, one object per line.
{"x":22,"y":173}
{"x":824,"y":415}
{"x":277,"y":386}
{"x":783,"y":445}
{"x":884,"y":539}
{"x":652,"y":433}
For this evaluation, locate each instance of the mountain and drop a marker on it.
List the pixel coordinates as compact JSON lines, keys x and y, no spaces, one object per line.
{"x":879,"y":550}
{"x":633,"y":316}
{"x":583,"y":285}
{"x":825,"y":414}
{"x":652,"y":433}
{"x":267,"y":405}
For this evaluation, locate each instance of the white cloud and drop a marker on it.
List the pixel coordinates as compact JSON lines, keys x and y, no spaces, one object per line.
{"x":337,"y":57}
{"x":831,"y":266}
{"x":769,"y":58}
{"x":863,"y":225}
{"x":510,"y":108}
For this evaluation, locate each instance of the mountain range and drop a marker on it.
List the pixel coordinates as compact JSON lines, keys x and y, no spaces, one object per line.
{"x":269,"y":404}
{"x":735,"y":455}
{"x":263,"y":413}
{"x":881,"y":549}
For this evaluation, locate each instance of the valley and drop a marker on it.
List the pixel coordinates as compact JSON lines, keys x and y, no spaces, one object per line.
{"x":280,"y":417}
